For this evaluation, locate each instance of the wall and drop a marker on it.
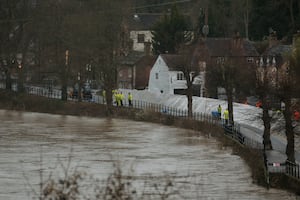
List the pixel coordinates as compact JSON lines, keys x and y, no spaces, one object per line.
{"x":162,"y":84}
{"x":134,"y":36}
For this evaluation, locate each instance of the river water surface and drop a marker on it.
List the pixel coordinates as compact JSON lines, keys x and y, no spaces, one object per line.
{"x":31,"y":143}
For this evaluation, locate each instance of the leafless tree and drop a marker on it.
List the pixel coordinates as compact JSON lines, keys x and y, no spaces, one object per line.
{"x":264,"y":89}
{"x":288,"y":76}
{"x":190,"y":69}
{"x":14,"y":38}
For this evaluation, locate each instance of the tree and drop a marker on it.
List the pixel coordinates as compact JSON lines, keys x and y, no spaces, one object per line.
{"x":13,"y":15}
{"x":264,"y":88}
{"x":170,"y":32}
{"x":188,"y":65}
{"x":97,"y":34}
{"x":229,"y":71}
{"x":50,"y":39}
{"x":288,"y":76}
{"x":281,"y":15}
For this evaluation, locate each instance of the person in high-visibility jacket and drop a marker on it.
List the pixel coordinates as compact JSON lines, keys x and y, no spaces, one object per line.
{"x":121,"y":96}
{"x":226,"y":116}
{"x":130,"y":97}
{"x":117,"y":98}
{"x":219,"y":111}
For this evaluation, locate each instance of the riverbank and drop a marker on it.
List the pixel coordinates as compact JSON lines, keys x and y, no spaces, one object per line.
{"x":23,"y":102}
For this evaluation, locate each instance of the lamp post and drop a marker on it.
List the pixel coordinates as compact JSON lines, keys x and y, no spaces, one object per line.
{"x":64,"y":88}
{"x":19,"y":58}
{"x":88,"y":68}
{"x":79,"y":79}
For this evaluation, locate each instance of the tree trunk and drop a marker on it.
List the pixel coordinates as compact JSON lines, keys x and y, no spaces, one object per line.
{"x":190,"y":100}
{"x":246,"y":20}
{"x":21,"y":80}
{"x":292,"y":15}
{"x":230,"y":104}
{"x":109,"y":100}
{"x":267,"y":125}
{"x":8,"y":83}
{"x":64,"y":82}
{"x":64,"y":95}
{"x":290,"y":148}
{"x":80,"y":92}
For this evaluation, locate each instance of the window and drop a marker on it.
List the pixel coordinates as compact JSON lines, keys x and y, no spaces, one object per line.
{"x":180,"y":76}
{"x":220,"y":60}
{"x":250,"y":60}
{"x":156,"y":75}
{"x":141,"y":38}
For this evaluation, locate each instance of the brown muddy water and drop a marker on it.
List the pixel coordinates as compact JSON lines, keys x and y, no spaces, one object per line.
{"x":199,"y":168}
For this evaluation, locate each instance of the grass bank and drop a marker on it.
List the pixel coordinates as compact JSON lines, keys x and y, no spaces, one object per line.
{"x":23,"y":102}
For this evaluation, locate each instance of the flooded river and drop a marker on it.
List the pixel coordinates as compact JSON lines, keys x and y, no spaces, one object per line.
{"x":34,"y":146}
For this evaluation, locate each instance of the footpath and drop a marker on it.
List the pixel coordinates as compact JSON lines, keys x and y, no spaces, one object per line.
{"x":277,"y":155}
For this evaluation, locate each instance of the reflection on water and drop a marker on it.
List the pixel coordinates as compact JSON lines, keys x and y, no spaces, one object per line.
{"x":195,"y":163}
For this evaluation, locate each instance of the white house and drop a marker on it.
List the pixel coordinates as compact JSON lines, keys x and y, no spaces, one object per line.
{"x":165,"y":78}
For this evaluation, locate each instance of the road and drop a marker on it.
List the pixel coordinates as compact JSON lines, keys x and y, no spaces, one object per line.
{"x":278,"y":141}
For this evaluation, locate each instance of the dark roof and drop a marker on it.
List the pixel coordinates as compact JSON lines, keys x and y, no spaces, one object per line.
{"x":132,"y":58}
{"x":224,"y":47}
{"x":278,"y":50}
{"x":250,"y":48}
{"x":173,"y":61}
{"x":147,"y":60}
{"x":143,"y":21}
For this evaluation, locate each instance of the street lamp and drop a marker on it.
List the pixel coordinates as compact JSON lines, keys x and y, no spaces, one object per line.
{"x":88,"y":68}
{"x":78,"y":76}
{"x":19,"y":58}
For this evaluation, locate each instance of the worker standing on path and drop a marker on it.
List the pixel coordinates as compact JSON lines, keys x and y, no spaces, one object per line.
{"x":117,"y":98}
{"x":220,"y":111}
{"x":226,"y":116}
{"x":121,"y":96}
{"x":130,"y":99}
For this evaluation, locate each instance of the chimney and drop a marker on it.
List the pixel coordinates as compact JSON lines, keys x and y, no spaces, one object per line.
{"x":147,"y":48}
{"x":272,"y":39}
{"x":237,"y":41}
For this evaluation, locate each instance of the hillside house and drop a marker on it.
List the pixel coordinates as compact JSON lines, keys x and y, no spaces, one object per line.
{"x":166,"y":78}
{"x":215,"y":51}
{"x":140,"y":26}
{"x":275,"y":60}
{"x":209,"y":53}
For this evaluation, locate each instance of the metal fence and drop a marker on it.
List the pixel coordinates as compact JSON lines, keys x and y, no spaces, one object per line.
{"x":50,"y":92}
{"x":292,"y":169}
{"x":232,"y":131}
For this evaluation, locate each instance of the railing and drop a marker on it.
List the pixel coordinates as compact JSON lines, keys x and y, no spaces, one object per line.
{"x":292,"y":169}
{"x":50,"y":92}
{"x":232,"y":131}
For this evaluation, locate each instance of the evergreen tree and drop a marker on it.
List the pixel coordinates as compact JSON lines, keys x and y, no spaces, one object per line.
{"x":170,"y":32}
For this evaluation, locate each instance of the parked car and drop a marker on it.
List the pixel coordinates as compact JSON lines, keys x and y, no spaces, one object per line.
{"x":86,"y":94}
